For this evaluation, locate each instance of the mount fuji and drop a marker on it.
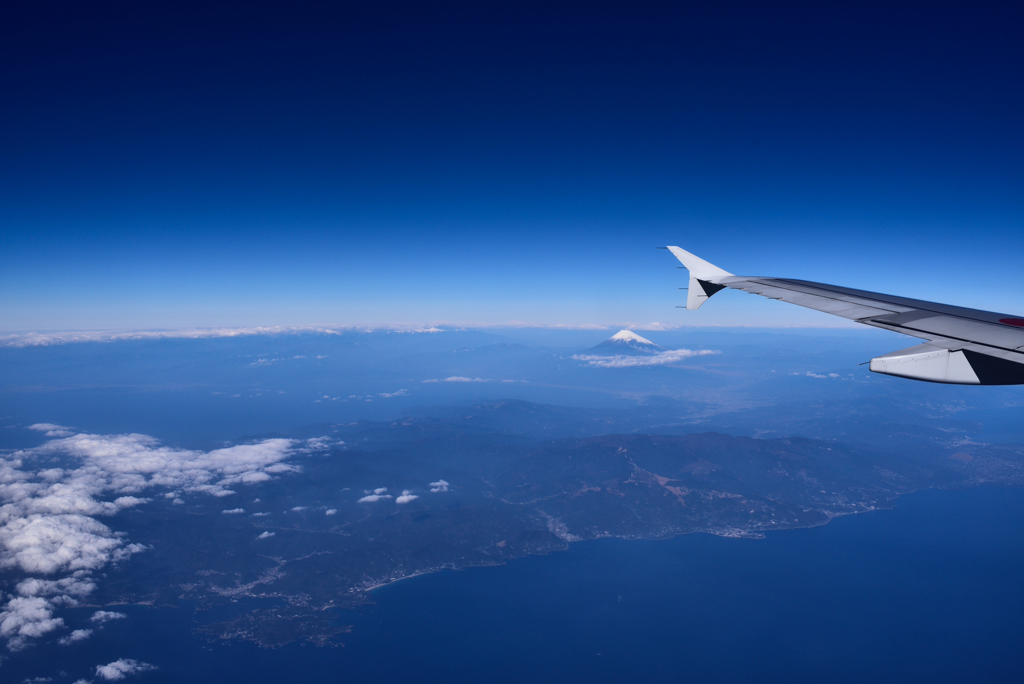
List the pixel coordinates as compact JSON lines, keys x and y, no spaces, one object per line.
{"x":627,"y":343}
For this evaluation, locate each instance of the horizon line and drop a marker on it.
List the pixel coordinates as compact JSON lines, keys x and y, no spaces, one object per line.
{"x":41,"y":338}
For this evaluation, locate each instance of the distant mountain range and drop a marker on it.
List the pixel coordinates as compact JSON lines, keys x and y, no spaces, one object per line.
{"x":627,"y":343}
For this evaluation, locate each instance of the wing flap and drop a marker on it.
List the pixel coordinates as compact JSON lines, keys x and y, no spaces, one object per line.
{"x":965,"y":330}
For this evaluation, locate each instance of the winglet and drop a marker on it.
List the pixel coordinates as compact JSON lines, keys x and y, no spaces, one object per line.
{"x":698,"y":267}
{"x":703,"y":277}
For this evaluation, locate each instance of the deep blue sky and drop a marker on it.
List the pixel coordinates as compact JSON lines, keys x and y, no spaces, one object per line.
{"x":378,"y":163}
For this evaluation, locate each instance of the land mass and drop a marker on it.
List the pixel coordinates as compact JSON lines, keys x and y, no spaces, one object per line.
{"x":475,"y":492}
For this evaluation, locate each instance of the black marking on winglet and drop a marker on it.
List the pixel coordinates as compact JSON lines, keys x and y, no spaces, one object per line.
{"x":709,"y":288}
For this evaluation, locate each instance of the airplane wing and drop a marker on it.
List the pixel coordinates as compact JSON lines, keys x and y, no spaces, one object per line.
{"x":964,"y":346}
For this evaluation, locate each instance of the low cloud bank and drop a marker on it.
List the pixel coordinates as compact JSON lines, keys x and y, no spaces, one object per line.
{"x":49,"y":517}
{"x":43,"y":339}
{"x":660,"y":359}
{"x":47,"y":339}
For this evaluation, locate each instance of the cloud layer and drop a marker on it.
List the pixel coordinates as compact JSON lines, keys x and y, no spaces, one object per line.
{"x":49,"y":517}
{"x":660,"y":359}
{"x":40,"y":339}
{"x":37,"y":339}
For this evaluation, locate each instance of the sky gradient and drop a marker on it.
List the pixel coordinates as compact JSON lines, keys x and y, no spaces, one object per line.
{"x":167,"y":166}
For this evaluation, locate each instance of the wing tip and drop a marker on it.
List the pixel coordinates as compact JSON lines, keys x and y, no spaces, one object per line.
{"x":699,"y":268}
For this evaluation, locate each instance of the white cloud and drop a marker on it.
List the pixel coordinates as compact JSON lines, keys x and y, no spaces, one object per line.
{"x":461,"y":378}
{"x":406,"y":497}
{"x":399,"y":393}
{"x":49,"y":516}
{"x":75,"y":636}
{"x":372,"y":498}
{"x":660,"y":359}
{"x":47,"y":544}
{"x":233,"y":511}
{"x":69,"y":588}
{"x":121,"y":668}
{"x":102,"y":616}
{"x":129,"y":501}
{"x":319,"y":443}
{"x":439,"y":486}
{"x":51,"y":430}
{"x":36,"y":339}
{"x":299,"y":509}
{"x":330,"y":511}
{"x":33,"y":339}
{"x":265,"y":535}
{"x":431,"y":380}
{"x":129,"y":463}
{"x":27,"y":617}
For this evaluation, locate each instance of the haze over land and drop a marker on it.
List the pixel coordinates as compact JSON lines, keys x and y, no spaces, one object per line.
{"x":357,"y":459}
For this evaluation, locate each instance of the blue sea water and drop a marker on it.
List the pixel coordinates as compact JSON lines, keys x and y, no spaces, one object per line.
{"x":929,"y":591}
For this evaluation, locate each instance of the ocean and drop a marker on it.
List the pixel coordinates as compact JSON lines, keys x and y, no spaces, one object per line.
{"x":928,"y":591}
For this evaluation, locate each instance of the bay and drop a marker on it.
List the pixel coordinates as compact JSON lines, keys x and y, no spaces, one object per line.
{"x":928,"y":591}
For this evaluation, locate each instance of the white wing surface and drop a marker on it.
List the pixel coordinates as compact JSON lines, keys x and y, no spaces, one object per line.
{"x":963,"y":346}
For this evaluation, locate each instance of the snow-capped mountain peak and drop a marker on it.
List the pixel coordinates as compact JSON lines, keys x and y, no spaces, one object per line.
{"x":627,"y":342}
{"x":629,"y":336}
